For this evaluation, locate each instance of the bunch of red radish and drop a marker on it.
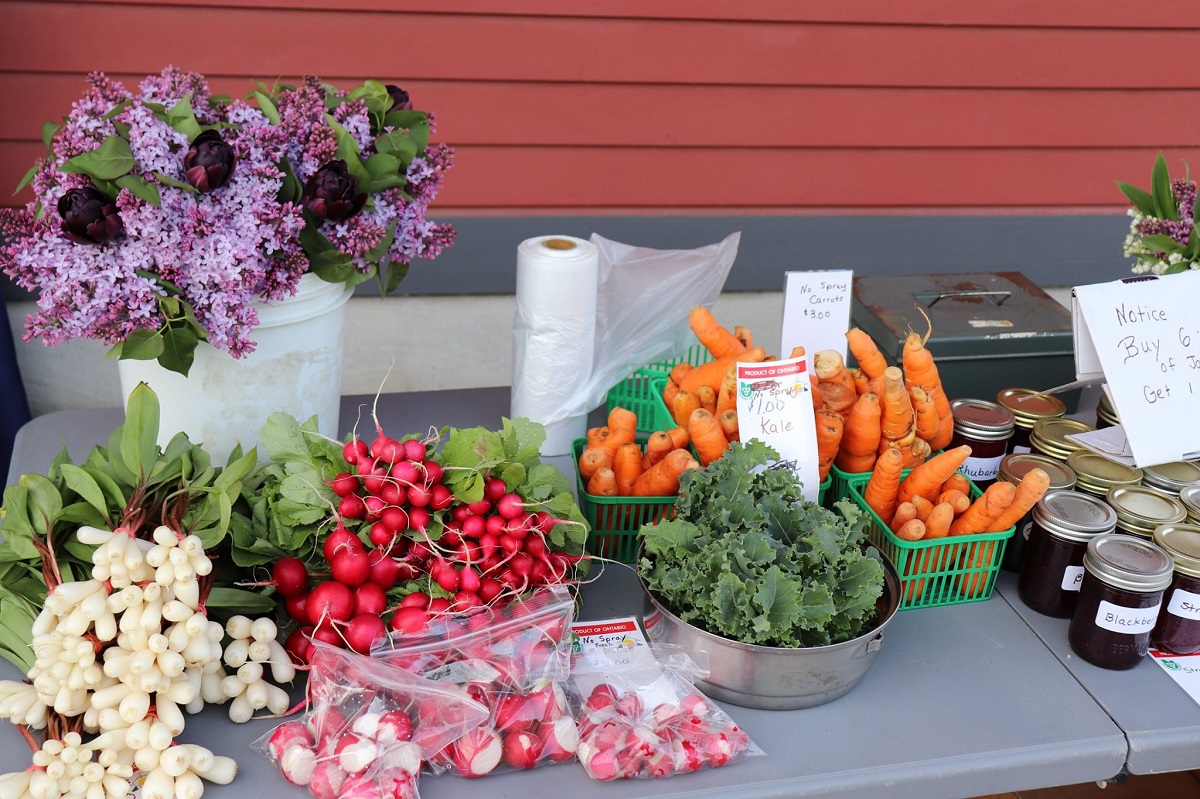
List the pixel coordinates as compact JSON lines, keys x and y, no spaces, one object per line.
{"x":619,"y":738}
{"x":392,"y":494}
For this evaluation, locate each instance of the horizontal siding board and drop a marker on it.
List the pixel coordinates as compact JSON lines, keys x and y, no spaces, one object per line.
{"x":1031,"y":13}
{"x":66,"y":37}
{"x":548,"y":114}
{"x":583,"y":177}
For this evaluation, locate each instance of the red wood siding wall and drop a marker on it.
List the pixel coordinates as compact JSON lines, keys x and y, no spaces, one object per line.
{"x":687,"y":106}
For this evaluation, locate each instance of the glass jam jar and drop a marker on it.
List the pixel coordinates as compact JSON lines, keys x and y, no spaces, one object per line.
{"x":1013,"y":467}
{"x":987,"y":428}
{"x":1064,"y":521}
{"x":1178,"y":628}
{"x":1028,"y":407}
{"x":1190,"y":497}
{"x":1123,"y":583}
{"x":1171,"y":478}
{"x":1049,"y":437}
{"x":1106,"y":415}
{"x":1140,"y":510}
{"x":1096,"y":474}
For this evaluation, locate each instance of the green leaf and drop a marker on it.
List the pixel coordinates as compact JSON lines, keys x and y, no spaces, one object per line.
{"x":45,"y":503}
{"x":1160,"y":188}
{"x":122,"y":129}
{"x":181,"y":117}
{"x":48,"y":131}
{"x":27,"y":179}
{"x":380,"y":250}
{"x":393,"y":273}
{"x":111,"y":490}
{"x":179,"y":348}
{"x":109,"y":161}
{"x":1140,"y":198}
{"x":374,"y":95}
{"x":83,"y":484}
{"x":347,"y":150}
{"x":139,"y":434}
{"x":142,"y":345}
{"x":245,"y":602}
{"x":175,"y":184}
{"x":406,"y":119}
{"x":138,"y":187}
{"x":1162,"y":243}
{"x":267,"y":106}
{"x":290,"y":191}
{"x":420,"y":135}
{"x":398,"y":144}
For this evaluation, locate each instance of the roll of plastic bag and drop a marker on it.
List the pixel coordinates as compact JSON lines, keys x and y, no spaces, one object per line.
{"x":554,"y":335}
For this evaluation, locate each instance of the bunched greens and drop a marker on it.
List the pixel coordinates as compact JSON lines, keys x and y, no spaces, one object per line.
{"x":746,"y":558}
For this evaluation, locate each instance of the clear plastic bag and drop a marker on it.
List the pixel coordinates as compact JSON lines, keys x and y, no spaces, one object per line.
{"x":515,"y":661}
{"x":640,"y":716}
{"x":368,"y":728}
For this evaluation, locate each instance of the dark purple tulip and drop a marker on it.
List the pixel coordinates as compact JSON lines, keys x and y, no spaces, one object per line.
{"x":89,"y":217}
{"x":400,"y":100}
{"x":332,"y":193}
{"x":209,"y":162}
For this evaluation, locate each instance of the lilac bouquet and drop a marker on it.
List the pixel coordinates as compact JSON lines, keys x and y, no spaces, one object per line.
{"x":162,"y":216}
{"x":1163,"y":234}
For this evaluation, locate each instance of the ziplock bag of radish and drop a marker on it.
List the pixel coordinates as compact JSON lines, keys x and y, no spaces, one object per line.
{"x":640,"y":716}
{"x":368,"y":728}
{"x":515,"y":660}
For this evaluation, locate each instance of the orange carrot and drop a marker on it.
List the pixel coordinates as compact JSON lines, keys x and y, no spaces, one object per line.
{"x":984,"y":510}
{"x":955,"y":498}
{"x":1030,"y":489}
{"x":937,"y":524}
{"x":657,"y":446}
{"x":603,"y":483}
{"x":596,"y":436}
{"x":707,"y":438}
{"x":836,"y":384}
{"x":818,"y":401}
{"x":592,"y":459}
{"x":685,"y":403}
{"x":729,"y":424}
{"x":679,"y":437}
{"x":678,"y":370}
{"x":880,"y":491}
{"x":923,"y":506}
{"x":896,"y":416}
{"x":920,"y":370}
{"x":927,"y":478}
{"x":957,"y":482}
{"x":945,"y":433}
{"x":911,"y":530}
{"x":924,"y":413}
{"x":716,"y":339}
{"x":627,"y":467}
{"x":862,"y":383}
{"x":977,"y":561}
{"x":797,"y":352}
{"x":622,"y":422}
{"x":743,"y":334}
{"x":708,"y":398}
{"x":713,"y":372}
{"x":830,"y":427}
{"x":727,"y":395}
{"x":662,"y":479}
{"x":860,"y":442}
{"x":670,"y":392}
{"x":915,"y":453}
{"x":863,"y":347}
{"x":905,"y":513}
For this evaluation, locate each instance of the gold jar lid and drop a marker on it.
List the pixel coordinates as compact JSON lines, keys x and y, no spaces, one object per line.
{"x":1105,"y":410}
{"x":1173,"y":477}
{"x":1140,"y":509}
{"x":1016,"y":465}
{"x":1182,"y":543}
{"x":1096,"y":473}
{"x":1190,"y":497}
{"x":1028,"y":406}
{"x":1049,"y":436}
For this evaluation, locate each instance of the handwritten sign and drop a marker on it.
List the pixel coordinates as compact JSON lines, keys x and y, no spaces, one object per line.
{"x":774,"y":405}
{"x":816,"y":311}
{"x":1145,"y":338}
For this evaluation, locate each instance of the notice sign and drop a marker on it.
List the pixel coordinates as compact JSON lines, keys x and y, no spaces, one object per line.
{"x":1145,"y":338}
{"x":1184,"y":670}
{"x":816,"y":311}
{"x":774,"y":405}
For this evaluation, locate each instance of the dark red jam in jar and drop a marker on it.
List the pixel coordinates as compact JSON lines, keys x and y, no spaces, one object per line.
{"x":1013,"y":467}
{"x":1028,"y":407}
{"x":1178,"y":628}
{"x":1063,"y":523}
{"x":1123,"y":583}
{"x":987,"y":428}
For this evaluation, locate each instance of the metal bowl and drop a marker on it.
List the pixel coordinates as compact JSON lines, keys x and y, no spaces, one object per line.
{"x":778,"y":678}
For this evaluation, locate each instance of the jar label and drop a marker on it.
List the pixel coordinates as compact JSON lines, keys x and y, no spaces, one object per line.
{"x":980,"y":469}
{"x":1072,"y":578}
{"x":1121,"y":619}
{"x":1184,"y":604}
{"x":1021,"y":448}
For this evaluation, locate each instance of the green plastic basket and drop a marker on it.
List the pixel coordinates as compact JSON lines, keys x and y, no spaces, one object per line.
{"x":943,"y":571}
{"x":615,"y":521}
{"x":636,"y":393}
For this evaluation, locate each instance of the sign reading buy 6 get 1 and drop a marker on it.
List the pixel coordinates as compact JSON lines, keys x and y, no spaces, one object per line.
{"x":774,"y":405}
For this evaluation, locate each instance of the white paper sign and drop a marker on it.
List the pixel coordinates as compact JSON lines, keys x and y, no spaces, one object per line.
{"x":774,"y":405}
{"x":1184,"y":670}
{"x":1145,"y":336}
{"x":816,"y":311}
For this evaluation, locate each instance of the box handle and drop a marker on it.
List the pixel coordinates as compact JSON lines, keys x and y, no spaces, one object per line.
{"x":930,"y":299}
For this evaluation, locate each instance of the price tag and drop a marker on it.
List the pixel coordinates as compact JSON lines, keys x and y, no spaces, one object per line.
{"x":1145,"y":338}
{"x":816,"y":311}
{"x":774,"y":405}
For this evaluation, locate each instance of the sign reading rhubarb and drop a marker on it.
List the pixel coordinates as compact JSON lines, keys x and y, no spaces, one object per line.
{"x":774,"y":405}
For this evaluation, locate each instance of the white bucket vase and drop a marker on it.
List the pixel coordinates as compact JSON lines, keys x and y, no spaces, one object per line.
{"x":296,"y":367}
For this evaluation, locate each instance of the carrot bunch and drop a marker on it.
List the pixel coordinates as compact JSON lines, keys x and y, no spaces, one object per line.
{"x":614,"y":465}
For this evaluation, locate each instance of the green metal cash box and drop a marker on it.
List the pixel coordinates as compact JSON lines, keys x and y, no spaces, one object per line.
{"x":991,"y":330}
